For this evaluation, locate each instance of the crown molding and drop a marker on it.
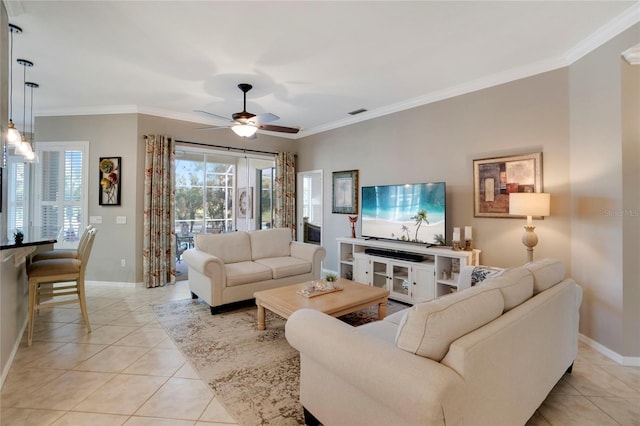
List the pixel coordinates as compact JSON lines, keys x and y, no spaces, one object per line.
{"x":622,"y":22}
{"x":13,"y":7}
{"x":462,"y":89}
{"x":632,"y":55}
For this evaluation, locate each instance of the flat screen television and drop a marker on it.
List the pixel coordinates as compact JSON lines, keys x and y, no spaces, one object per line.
{"x":410,"y":212}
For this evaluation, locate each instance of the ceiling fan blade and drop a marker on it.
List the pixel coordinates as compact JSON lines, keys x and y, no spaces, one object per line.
{"x":280,"y":129}
{"x":212,"y":127}
{"x":216,"y":116}
{"x":265,"y":118}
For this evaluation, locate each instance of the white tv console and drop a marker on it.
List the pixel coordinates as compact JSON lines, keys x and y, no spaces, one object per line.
{"x":435,"y":274}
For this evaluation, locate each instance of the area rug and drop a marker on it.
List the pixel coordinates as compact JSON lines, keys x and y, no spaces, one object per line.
{"x":254,"y":374}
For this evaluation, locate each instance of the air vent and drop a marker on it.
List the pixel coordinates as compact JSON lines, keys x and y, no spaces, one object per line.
{"x":358,"y":111}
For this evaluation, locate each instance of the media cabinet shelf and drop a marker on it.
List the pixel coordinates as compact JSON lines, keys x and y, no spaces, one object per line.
{"x":407,"y":281}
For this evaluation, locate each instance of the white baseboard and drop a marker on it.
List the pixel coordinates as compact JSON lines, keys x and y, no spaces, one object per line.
{"x":114,"y":284}
{"x":627,"y":361}
{"x":16,"y":346}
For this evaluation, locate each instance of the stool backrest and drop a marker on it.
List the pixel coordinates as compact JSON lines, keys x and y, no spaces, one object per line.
{"x":86,"y":244}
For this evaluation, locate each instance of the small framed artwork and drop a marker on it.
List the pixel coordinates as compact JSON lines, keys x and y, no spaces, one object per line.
{"x":345,"y":192}
{"x":245,"y":203}
{"x":495,"y":178}
{"x":110,"y":180}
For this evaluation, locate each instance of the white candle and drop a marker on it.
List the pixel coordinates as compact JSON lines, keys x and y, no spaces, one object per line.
{"x":456,"y":234}
{"x":467,"y":233}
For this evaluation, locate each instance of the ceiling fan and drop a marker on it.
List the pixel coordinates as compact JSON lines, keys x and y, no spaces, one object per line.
{"x":246,"y":124}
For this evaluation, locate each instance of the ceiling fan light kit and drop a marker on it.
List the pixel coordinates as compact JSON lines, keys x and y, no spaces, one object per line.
{"x":244,"y":130}
{"x":246,"y":124}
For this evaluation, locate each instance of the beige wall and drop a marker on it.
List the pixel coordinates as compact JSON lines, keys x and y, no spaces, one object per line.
{"x":108,"y":136}
{"x":438,"y":142}
{"x":599,"y":198}
{"x":631,"y":205}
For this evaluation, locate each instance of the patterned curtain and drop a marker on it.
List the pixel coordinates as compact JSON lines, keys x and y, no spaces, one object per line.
{"x":159,"y":248}
{"x":285,"y":189}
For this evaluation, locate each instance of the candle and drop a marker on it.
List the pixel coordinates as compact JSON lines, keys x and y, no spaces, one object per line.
{"x":456,"y":234}
{"x":467,"y":233}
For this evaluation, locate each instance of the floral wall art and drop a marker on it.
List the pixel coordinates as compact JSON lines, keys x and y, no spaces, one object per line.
{"x":110,"y":181}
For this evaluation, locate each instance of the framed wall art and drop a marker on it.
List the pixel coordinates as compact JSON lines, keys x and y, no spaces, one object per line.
{"x":245,"y":203}
{"x":345,"y":192}
{"x":110,"y":181}
{"x":495,"y":178}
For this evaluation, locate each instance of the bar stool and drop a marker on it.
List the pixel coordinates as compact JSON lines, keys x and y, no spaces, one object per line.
{"x":63,"y":253}
{"x":45,"y":274}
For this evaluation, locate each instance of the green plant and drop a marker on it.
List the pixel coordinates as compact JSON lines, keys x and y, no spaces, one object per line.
{"x":439,"y":239}
{"x":18,"y":237}
{"x":330,"y":278}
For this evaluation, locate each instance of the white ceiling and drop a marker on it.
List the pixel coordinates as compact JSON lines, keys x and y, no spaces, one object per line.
{"x":310,"y":62}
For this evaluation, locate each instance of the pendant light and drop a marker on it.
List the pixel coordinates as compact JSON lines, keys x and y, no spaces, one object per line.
{"x":32,"y":157}
{"x":13,"y":135}
{"x":24,"y":147}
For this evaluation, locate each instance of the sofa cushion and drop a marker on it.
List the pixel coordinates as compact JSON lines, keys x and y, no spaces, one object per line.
{"x":546,"y":273}
{"x":429,"y":328}
{"x":471,"y":275}
{"x":516,"y":286}
{"x":230,"y":248}
{"x":270,"y":243}
{"x":246,"y":272}
{"x":286,"y":266}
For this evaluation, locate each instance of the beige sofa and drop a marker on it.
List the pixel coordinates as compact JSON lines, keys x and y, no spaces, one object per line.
{"x":488,"y":355}
{"x":227,"y":268}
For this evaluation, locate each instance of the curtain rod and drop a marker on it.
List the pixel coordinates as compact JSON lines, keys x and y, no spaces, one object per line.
{"x":228,"y":148}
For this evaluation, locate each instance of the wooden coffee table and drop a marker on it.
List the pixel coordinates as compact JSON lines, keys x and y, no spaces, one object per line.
{"x":355,"y":296}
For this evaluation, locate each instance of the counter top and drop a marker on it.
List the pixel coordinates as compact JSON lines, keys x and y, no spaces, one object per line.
{"x":27,"y":244}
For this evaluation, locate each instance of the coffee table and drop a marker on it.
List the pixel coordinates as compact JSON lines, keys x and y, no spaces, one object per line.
{"x":353,"y":297}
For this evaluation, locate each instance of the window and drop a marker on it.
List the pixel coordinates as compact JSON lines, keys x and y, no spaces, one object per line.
{"x":61,"y":192}
{"x":17,"y":209}
{"x":204,"y":192}
{"x":206,"y":186}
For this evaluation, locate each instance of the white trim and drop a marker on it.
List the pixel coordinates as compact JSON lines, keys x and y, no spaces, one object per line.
{"x":626,"y":361}
{"x":622,"y":22}
{"x":632,"y":55}
{"x":16,"y":346}
{"x":114,"y":284}
{"x":605,"y":33}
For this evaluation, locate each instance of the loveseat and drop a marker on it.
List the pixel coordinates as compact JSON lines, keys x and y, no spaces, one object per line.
{"x":488,"y":355}
{"x":227,"y":268}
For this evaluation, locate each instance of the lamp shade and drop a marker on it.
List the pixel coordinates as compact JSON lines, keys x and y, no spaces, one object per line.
{"x":529,"y":204}
{"x":244,"y":130}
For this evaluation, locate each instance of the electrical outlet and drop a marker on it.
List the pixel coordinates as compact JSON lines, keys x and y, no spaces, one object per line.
{"x":123,"y":263}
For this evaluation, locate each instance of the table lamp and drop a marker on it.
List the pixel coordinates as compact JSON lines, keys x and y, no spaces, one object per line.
{"x":529,"y":204}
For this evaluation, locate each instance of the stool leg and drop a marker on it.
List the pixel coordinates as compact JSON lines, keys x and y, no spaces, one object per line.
{"x":32,"y":302}
{"x":83,"y":303}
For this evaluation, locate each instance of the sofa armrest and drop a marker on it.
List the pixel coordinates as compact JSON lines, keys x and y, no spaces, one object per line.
{"x":390,"y":376}
{"x":205,"y":263}
{"x":311,"y":252}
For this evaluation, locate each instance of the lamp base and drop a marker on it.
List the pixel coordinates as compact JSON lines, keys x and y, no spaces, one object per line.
{"x":530,"y":240}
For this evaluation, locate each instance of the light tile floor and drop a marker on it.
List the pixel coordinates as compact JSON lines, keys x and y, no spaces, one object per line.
{"x":128,"y":371}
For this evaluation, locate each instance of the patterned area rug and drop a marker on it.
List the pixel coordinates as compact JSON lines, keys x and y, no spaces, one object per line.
{"x":254,"y":374}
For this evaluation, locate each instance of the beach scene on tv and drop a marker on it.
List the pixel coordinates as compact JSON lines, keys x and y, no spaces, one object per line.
{"x":413,"y":213}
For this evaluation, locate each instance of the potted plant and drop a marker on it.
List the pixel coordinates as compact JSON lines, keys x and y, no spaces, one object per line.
{"x":18,"y":237}
{"x":330,"y":278}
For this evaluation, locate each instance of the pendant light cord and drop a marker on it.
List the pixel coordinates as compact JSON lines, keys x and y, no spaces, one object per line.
{"x":11,"y":78}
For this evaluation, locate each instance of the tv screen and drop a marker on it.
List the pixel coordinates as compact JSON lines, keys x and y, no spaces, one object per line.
{"x":411,"y":212}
